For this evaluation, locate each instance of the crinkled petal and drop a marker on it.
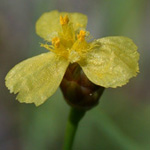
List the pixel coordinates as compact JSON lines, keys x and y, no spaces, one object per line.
{"x":36,"y":78}
{"x":112,"y":62}
{"x":48,"y":25}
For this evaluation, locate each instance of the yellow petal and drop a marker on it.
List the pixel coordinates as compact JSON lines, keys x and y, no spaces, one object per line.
{"x":36,"y":78}
{"x":112,"y":62}
{"x":48,"y":25}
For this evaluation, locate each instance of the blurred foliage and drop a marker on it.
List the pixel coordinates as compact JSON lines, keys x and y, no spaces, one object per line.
{"x":121,"y":121}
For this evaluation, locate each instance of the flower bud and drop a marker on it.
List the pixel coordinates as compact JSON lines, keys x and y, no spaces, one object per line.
{"x":78,"y":91}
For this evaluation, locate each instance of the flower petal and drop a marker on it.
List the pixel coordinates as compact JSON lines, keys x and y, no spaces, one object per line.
{"x":48,"y":25}
{"x":36,"y":78}
{"x":112,"y":62}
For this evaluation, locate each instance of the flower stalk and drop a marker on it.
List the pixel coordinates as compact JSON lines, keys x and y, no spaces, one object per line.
{"x":73,"y":120}
{"x":82,"y":95}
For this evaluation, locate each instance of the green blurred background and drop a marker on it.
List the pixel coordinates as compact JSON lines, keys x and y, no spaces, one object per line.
{"x":122,"y":119}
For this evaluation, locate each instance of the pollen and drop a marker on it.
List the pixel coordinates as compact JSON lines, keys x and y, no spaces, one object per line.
{"x":81,"y":35}
{"x":56,"y":42}
{"x":64,"y":20}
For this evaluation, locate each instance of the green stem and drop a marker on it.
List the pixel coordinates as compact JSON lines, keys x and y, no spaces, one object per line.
{"x":73,"y":120}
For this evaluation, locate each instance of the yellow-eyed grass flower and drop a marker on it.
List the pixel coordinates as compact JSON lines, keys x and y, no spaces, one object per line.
{"x":107,"y":62}
{"x":102,"y":63}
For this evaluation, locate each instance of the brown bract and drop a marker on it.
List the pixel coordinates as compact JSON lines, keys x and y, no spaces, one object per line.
{"x":78,"y":90}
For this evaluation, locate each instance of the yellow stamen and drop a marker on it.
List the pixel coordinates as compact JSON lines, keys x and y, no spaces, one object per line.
{"x":81,"y":35}
{"x":49,"y":47}
{"x":56,"y":42}
{"x":64,"y":20}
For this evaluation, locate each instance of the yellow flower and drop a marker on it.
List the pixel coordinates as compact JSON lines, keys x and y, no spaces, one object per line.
{"x":108,"y":62}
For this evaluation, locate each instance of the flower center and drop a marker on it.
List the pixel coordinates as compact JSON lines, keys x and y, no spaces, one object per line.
{"x":69,"y":43}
